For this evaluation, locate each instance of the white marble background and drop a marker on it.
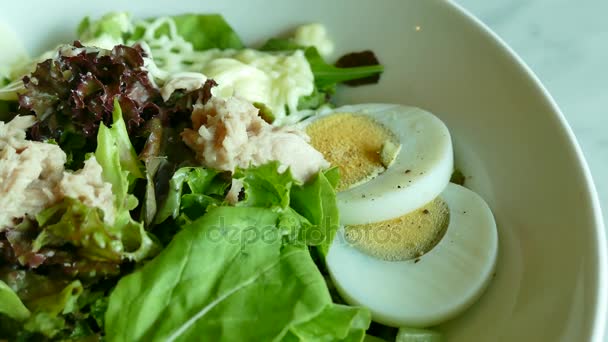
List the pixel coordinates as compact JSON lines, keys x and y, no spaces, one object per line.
{"x":565,"y":42}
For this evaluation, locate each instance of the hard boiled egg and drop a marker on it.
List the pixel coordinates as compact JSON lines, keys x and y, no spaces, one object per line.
{"x":428,"y":290}
{"x":393,"y":159}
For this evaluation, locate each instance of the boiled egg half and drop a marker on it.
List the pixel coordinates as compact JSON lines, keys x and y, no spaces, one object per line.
{"x":413,"y":248}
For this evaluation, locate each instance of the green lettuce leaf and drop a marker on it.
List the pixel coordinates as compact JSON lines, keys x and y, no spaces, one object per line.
{"x":264,"y":186}
{"x":214,"y":281}
{"x":316,"y":201}
{"x":116,"y":25}
{"x":84,"y":228}
{"x":117,"y":157}
{"x":47,"y":317}
{"x":197,"y":188}
{"x":335,"y":323}
{"x":10,"y":304}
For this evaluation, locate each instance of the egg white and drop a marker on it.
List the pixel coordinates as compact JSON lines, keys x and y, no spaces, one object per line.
{"x":420,"y":172}
{"x":434,"y":288}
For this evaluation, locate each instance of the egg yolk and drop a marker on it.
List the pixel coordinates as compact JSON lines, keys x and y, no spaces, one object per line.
{"x":359,"y":146}
{"x":402,"y":238}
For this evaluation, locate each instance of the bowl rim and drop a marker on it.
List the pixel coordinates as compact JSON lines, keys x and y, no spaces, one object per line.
{"x":601,"y":304}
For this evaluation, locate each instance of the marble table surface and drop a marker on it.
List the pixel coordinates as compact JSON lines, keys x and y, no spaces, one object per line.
{"x":565,"y":42}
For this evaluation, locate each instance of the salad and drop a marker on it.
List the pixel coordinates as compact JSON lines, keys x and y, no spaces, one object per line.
{"x":162,"y":181}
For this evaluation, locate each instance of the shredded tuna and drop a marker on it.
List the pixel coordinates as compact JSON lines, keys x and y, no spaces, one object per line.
{"x":230,"y":133}
{"x":29,"y":172}
{"x":87,"y":185}
{"x":32,"y":177}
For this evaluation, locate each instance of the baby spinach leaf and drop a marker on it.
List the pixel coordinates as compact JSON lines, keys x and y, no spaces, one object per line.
{"x":225,"y":277}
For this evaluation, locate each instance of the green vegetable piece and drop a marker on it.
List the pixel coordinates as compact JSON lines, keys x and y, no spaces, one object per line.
{"x":265,"y":112}
{"x":316,"y":201}
{"x":313,"y":101}
{"x":11,"y":305}
{"x":280,"y":44}
{"x":207,"y":31}
{"x":128,"y":157}
{"x":327,"y":75}
{"x":171,"y":205}
{"x":265,"y":187}
{"x":114,"y":24}
{"x":117,"y":157}
{"x":149,"y":207}
{"x":370,"y":338}
{"x":215,"y":280}
{"x":458,"y":177}
{"x":199,"y":179}
{"x":200,"y":182}
{"x":47,"y":311}
{"x":418,"y":335}
{"x":83,"y":227}
{"x":335,"y":323}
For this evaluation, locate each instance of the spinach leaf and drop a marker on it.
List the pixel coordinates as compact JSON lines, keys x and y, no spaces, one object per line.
{"x":215,"y":281}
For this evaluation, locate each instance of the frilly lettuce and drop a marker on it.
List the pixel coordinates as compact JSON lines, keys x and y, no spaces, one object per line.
{"x":83,"y":227}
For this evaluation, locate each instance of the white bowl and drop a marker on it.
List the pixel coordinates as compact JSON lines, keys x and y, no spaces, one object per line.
{"x":510,"y":138}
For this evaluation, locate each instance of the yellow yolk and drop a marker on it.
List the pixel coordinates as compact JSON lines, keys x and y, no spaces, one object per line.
{"x":402,"y":238}
{"x":359,"y":146}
